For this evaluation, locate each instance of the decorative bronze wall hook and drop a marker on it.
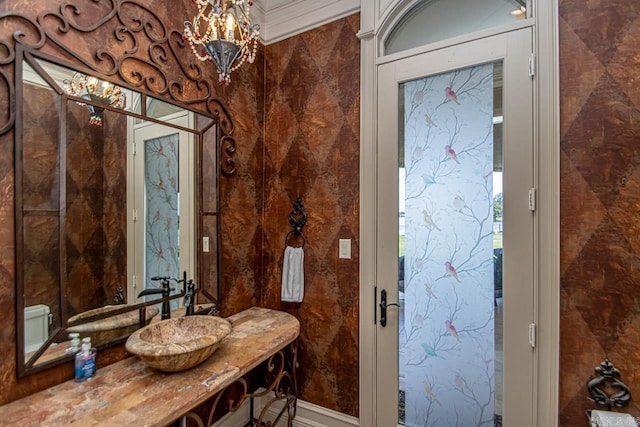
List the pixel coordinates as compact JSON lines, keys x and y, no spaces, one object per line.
{"x":297,"y":219}
{"x":118,"y":299}
{"x":608,"y":379}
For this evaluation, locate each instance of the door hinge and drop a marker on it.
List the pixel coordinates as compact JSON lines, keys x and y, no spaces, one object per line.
{"x":135,"y":148}
{"x":134,"y":215}
{"x":134,"y":281}
{"x":532,"y":335}
{"x":532,"y":199}
{"x":532,"y":65}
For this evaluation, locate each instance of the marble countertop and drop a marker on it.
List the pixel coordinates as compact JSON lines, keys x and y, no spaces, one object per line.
{"x":131,"y":393}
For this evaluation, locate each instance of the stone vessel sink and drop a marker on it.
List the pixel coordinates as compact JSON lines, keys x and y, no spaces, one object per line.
{"x":179,"y":343}
{"x":110,"y":328}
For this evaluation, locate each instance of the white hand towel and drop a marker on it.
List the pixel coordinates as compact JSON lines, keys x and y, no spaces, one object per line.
{"x":293,"y":275}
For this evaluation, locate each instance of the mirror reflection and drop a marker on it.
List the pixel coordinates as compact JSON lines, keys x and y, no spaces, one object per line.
{"x":105,"y":205}
{"x":99,"y":91}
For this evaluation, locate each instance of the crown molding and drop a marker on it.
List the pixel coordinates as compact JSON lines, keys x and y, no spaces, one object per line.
{"x":258,"y":16}
{"x":280,"y":19}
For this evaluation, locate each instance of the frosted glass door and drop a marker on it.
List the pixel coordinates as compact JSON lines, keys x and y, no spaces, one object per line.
{"x":455,"y":237}
{"x":449,"y":301}
{"x":162,"y":209}
{"x":162,"y":223}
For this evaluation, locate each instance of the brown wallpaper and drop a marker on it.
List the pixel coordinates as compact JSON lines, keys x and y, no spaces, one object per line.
{"x":312,"y":152}
{"x":95,"y":195}
{"x":599,"y":198}
{"x":40,"y":190}
{"x":241,"y":195}
{"x":96,"y":214}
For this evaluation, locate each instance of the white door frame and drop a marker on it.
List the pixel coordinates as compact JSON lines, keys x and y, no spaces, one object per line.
{"x":513,"y":49}
{"x":376,"y":17}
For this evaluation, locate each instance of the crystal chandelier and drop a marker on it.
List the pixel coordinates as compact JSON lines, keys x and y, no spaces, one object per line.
{"x":222,"y":32}
{"x":96,"y":90}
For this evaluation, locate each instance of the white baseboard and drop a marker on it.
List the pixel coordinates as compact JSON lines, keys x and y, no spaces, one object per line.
{"x":234,"y":419}
{"x":307,"y":415}
{"x":310,"y":415}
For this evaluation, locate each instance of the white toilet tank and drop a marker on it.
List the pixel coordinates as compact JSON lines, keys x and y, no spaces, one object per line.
{"x":36,"y":326}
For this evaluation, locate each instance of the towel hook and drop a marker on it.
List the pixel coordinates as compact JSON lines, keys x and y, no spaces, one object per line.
{"x":297,"y":219}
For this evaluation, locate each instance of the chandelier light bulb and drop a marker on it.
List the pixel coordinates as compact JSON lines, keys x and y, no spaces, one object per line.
{"x":230,"y":26}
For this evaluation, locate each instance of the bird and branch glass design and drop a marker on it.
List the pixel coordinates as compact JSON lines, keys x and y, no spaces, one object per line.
{"x":162,"y":209}
{"x":447,"y":356}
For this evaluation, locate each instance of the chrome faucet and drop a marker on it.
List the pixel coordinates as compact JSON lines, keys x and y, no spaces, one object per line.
{"x":165,"y":290}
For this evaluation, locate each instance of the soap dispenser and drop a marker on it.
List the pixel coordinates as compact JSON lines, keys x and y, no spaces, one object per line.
{"x":85,"y":366}
{"x":74,"y":346}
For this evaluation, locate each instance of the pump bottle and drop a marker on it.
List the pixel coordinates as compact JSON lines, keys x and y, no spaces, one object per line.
{"x":85,"y":364}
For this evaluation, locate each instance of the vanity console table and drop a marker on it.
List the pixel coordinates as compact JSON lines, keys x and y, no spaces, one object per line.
{"x":131,"y":393}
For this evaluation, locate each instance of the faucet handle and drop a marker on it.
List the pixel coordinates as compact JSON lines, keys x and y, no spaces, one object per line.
{"x":164,"y":284}
{"x":166,"y":288}
{"x":189,"y":297}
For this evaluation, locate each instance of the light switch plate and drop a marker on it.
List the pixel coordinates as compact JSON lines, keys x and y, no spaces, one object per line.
{"x":345,"y":249}
{"x":205,"y":244}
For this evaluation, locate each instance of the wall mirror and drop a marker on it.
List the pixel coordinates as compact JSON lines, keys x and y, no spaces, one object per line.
{"x":113,"y":188}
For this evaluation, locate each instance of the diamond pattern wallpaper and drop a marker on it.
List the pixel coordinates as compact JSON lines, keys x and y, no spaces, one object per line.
{"x":95,"y":244}
{"x":599,"y":198}
{"x":299,"y":131}
{"x":96,"y":232}
{"x":40,"y":192}
{"x":312,"y":152}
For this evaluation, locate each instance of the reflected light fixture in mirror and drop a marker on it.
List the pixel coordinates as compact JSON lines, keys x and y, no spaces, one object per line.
{"x":94,"y":89}
{"x":222,"y":32}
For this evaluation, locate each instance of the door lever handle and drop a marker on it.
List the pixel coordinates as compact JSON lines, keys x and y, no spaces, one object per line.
{"x":383,"y":307}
